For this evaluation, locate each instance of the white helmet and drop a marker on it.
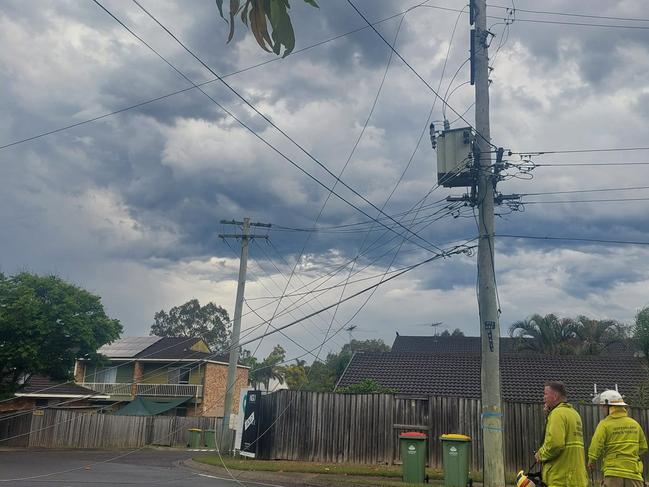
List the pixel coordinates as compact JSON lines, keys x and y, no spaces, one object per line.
{"x":610,"y":398}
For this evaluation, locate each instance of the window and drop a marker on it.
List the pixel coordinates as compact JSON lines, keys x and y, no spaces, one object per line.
{"x":179,"y":375}
{"x":106,"y":375}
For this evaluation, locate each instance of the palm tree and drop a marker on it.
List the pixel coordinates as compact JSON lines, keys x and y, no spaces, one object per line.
{"x":545,"y":334}
{"x":596,"y":336}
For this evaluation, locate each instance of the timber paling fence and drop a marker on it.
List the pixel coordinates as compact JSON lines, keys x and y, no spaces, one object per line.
{"x":365,"y":428}
{"x":311,"y":426}
{"x":57,"y":428}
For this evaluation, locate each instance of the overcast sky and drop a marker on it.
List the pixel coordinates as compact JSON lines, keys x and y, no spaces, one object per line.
{"x":129,"y":206}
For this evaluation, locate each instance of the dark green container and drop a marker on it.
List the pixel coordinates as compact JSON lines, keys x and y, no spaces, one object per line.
{"x":413,"y":455}
{"x":195,"y":438}
{"x":455,"y":454}
{"x":210,"y":439}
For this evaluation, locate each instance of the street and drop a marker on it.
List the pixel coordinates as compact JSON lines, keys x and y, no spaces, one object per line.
{"x":81,"y":468}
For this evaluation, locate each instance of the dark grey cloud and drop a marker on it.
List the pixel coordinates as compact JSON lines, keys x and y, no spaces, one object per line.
{"x":143,"y":192}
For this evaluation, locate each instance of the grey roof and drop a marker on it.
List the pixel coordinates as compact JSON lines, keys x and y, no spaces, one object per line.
{"x":178,"y":348}
{"x":440,"y":344}
{"x":42,"y":385}
{"x":127,"y":347}
{"x":522,"y":375}
{"x":158,"y":348}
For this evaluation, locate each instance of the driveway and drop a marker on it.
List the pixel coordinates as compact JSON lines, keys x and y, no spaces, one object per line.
{"x":80,"y":468}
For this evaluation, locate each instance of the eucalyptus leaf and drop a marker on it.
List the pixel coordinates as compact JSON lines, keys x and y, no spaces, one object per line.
{"x":234,"y":8}
{"x":219,"y":5}
{"x":283,"y":34}
{"x":259,"y":27}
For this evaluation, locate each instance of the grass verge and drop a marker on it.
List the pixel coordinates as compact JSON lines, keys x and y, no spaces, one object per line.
{"x":283,"y":466}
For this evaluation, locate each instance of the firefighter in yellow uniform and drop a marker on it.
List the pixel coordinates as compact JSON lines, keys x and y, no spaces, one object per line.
{"x":619,"y":441}
{"x":562,"y":453}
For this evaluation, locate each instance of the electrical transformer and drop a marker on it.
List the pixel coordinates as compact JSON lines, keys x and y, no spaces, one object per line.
{"x":455,"y":158}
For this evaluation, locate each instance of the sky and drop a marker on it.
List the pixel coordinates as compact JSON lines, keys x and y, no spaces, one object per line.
{"x":129,"y":206}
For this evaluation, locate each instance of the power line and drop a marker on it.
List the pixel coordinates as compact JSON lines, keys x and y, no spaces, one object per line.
{"x":347,"y":162}
{"x":569,"y":164}
{"x":567,"y":14}
{"x":584,"y":24}
{"x":596,"y":190}
{"x":581,"y":24}
{"x":576,"y":151}
{"x":577,"y":239}
{"x":611,"y":200}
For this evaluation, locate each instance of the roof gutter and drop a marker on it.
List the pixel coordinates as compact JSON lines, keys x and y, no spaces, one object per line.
{"x":80,"y":396}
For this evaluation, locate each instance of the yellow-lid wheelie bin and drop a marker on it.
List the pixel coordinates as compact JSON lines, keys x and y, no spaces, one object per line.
{"x":456,"y":451}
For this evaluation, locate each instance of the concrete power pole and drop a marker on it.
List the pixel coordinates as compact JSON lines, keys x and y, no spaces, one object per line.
{"x":236,"y":324}
{"x":492,"y":419}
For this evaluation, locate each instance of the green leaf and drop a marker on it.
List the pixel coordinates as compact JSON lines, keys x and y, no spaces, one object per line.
{"x":283,"y":33}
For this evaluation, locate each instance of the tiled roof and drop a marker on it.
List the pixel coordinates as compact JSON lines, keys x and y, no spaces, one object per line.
{"x":439,"y":344}
{"x":522,"y":375}
{"x":39,"y":384}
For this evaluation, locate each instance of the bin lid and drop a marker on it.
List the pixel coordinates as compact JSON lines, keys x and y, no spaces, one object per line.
{"x":412,"y":434}
{"x":194,"y":429}
{"x":455,"y":437}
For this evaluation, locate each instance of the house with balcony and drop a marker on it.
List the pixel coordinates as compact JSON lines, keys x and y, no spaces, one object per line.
{"x":161,"y":375}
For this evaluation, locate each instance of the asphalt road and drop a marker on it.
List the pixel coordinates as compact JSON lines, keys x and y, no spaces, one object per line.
{"x":79,"y":468}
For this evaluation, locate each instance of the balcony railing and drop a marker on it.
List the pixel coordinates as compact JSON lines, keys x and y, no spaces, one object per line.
{"x":161,"y":390}
{"x":112,"y":389}
{"x":169,"y":390}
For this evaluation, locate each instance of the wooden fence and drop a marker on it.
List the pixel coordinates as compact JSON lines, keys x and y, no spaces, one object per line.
{"x":70,"y":429}
{"x":365,"y":428}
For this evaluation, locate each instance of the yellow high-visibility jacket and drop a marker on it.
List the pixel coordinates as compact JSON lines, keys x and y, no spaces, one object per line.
{"x":620,"y":441}
{"x":562,"y":452}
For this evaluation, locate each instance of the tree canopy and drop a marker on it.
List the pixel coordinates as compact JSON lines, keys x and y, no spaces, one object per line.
{"x":266,"y":370}
{"x":552,"y":335}
{"x":46,"y":324}
{"x":641,"y":330}
{"x":209,"y":322}
{"x":258,"y":16}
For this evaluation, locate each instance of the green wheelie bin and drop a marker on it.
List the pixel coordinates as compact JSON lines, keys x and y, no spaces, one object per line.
{"x":194,"y":438}
{"x":455,"y":455}
{"x":210,"y":439}
{"x":413,"y":456}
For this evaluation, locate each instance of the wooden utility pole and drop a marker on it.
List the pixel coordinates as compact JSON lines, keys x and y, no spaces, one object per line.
{"x":492,"y":418}
{"x":236,"y":324}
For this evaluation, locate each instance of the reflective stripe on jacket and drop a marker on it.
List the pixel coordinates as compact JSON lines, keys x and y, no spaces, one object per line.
{"x":562,"y":452}
{"x":620,"y":441}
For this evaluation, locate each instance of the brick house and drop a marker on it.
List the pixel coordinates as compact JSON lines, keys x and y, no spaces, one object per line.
{"x":162,"y":370}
